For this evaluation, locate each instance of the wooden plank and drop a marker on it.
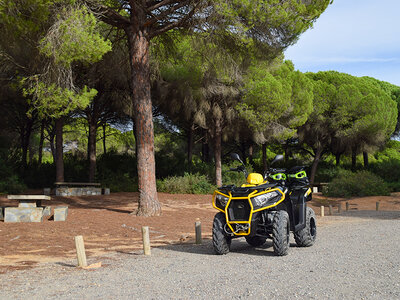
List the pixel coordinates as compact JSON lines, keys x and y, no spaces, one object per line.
{"x":28,"y":197}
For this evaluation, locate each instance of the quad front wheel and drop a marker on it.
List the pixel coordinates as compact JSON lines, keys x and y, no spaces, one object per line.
{"x":306,"y":237}
{"x":280,"y":233}
{"x":221,"y":242}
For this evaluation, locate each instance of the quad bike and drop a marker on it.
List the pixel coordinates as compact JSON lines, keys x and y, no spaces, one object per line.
{"x":267,"y":207}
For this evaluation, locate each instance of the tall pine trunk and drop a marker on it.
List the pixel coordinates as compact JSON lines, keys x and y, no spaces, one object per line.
{"x":92,"y":149}
{"x":264,"y":156}
{"x":365,"y":157}
{"x":59,"y":150}
{"x":338,"y":155}
{"x":218,"y":152}
{"x":41,"y":142}
{"x":190,"y":147}
{"x":104,"y":139}
{"x":353,"y":158}
{"x":143,"y":117}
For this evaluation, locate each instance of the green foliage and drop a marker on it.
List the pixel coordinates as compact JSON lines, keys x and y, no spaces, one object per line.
{"x":276,"y":100}
{"x":187,"y":184}
{"x":362,"y":183}
{"x":75,"y":37}
{"x":49,"y":99}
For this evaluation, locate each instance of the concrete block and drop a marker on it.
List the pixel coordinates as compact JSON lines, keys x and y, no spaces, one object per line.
{"x":106,"y":191}
{"x":23,"y":214}
{"x":1,"y":213}
{"x":315,"y":189}
{"x":47,"y":211}
{"x":60,"y":213}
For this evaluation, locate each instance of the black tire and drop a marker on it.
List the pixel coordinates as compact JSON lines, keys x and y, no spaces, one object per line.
{"x":280,"y":233}
{"x":221,"y":242}
{"x":255,"y":241}
{"x":306,"y":237}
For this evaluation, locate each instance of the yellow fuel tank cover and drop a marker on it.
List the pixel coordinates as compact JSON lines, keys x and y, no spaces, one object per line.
{"x":255,"y":178}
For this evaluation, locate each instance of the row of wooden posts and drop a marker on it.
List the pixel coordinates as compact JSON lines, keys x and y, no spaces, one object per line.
{"x":339,"y":208}
{"x":80,"y":246}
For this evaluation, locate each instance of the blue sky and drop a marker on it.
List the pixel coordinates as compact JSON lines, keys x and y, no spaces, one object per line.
{"x":358,"y":37}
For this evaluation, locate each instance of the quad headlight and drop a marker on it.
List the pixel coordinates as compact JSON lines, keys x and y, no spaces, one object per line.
{"x":221,"y":200}
{"x":265,"y":199}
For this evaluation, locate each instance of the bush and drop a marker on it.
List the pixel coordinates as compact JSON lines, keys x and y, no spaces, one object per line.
{"x":187,"y":184}
{"x":362,"y":183}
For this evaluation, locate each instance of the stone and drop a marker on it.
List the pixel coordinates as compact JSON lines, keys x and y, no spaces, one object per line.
{"x":47,"y":211}
{"x":1,"y":213}
{"x":27,"y":203}
{"x":106,"y":191}
{"x":60,"y":213}
{"x":47,"y":191}
{"x":23,"y":214}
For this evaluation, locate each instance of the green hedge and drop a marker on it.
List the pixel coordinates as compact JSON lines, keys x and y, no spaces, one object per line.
{"x":187,"y":184}
{"x":362,"y":183}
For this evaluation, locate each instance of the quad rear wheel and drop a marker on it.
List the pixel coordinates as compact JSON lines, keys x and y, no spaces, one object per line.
{"x":280,"y":233}
{"x":306,"y":237}
{"x":221,"y":242}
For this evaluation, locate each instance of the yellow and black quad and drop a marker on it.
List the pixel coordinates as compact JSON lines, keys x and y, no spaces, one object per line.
{"x":267,"y":207}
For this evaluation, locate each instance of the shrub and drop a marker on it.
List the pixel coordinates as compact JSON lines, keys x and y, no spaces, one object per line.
{"x":187,"y":184}
{"x":362,"y":183}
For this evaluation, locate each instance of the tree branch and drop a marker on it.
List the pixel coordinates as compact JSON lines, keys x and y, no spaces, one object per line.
{"x":175,"y":24}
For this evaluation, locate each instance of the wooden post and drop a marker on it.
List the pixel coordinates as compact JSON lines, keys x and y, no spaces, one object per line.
{"x":330,"y":210}
{"x":339,"y":208}
{"x":347,"y":206}
{"x":377,"y":206}
{"x":80,"y":251}
{"x":322,"y":211}
{"x":198,"y":232}
{"x":146,"y":240}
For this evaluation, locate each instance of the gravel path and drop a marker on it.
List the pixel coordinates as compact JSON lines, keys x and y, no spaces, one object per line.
{"x":355,"y":257}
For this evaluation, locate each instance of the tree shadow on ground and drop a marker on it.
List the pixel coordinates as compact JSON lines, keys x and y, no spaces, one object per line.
{"x":368,"y":214}
{"x":238,"y":246}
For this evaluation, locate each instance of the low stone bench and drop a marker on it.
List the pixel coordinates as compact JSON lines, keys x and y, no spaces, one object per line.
{"x":77,"y":188}
{"x":29,"y":208}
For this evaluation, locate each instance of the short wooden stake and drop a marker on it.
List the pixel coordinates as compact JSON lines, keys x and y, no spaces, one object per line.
{"x":146,"y":240}
{"x":80,"y":251}
{"x":330,"y":210}
{"x":377,"y":206}
{"x":198,"y":232}
{"x":339,"y":208}
{"x":322,"y":211}
{"x":347,"y":206}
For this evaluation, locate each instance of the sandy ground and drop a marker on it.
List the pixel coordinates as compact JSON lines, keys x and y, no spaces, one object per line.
{"x":107,"y":225}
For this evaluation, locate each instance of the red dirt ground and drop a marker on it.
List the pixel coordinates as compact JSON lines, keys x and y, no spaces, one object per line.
{"x":106,"y":224}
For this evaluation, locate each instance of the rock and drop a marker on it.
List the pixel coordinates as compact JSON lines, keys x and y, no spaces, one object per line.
{"x":47,"y":211}
{"x":23,"y":214}
{"x":60,"y":213}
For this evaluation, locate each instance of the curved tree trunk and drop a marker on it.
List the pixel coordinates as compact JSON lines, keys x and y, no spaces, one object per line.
{"x":143,"y":117}
{"x":190,"y":147}
{"x":59,"y":151}
{"x":314,"y":166}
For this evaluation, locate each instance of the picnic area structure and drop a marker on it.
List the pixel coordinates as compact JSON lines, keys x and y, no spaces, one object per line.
{"x":78,"y":188}
{"x":30,"y":209}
